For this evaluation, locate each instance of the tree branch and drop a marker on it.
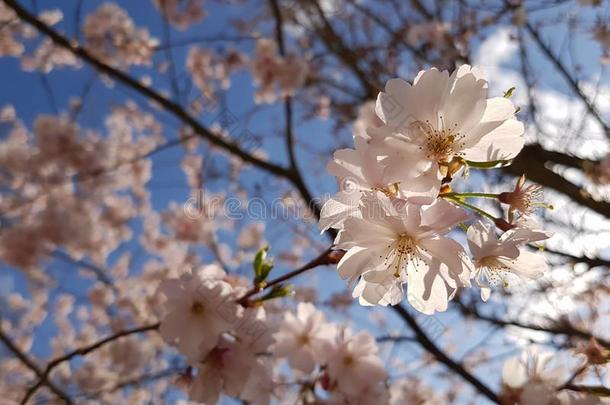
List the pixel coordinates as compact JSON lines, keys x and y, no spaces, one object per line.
{"x":559,"y":329}
{"x":531,"y":162}
{"x":129,"y":81}
{"x":433,"y":349}
{"x":32,"y":366}
{"x":590,"y":261}
{"x":326,"y":257}
{"x":43,"y":376}
{"x":335,"y":44}
{"x":567,"y":76}
{"x":595,"y":390}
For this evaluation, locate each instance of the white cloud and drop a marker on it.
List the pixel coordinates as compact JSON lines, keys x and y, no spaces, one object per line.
{"x":491,"y":56}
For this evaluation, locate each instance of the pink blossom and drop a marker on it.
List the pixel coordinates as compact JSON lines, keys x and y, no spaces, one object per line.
{"x":397,"y":243}
{"x":440,"y":117}
{"x":182,"y":13}
{"x":353,"y":364}
{"x":112,"y":36}
{"x":523,"y":199}
{"x":496,"y":259}
{"x":198,"y":311}
{"x":301,"y":338}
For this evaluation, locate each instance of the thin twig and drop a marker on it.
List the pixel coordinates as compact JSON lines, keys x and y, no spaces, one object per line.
{"x":32,"y":366}
{"x":567,"y":76}
{"x":564,"y":329}
{"x":169,"y":105}
{"x":324,"y":258}
{"x":43,"y":376}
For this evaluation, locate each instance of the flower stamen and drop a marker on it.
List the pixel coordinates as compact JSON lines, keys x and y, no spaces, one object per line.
{"x":441,"y":144}
{"x":494,"y":271}
{"x":389,"y":190}
{"x":402,"y":251}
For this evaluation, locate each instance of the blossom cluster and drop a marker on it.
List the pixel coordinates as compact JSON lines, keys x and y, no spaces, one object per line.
{"x":13,"y":30}
{"x":238,"y":349}
{"x":531,"y":379}
{"x":206,"y":67}
{"x":111,"y":35}
{"x":396,"y":209}
{"x":181,"y":13}
{"x":430,"y":33}
{"x":72,"y":188}
{"x":271,"y":71}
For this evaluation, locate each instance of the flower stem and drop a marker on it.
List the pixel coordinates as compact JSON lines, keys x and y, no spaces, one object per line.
{"x":470,"y":195}
{"x":456,"y":199}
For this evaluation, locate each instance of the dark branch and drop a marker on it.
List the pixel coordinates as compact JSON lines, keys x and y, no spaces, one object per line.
{"x":32,"y":366}
{"x":531,"y":162}
{"x":563,"y":328}
{"x":568,"y":77}
{"x":434,"y":350}
{"x":150,"y":93}
{"x":43,"y":376}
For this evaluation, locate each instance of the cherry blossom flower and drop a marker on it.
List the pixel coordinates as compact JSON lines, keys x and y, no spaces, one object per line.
{"x":129,"y":355}
{"x":414,"y":391}
{"x":370,"y":394}
{"x":270,"y":70}
{"x":79,"y":195}
{"x":12,"y":31}
{"x":235,"y":365}
{"x":182,"y":13}
{"x":530,"y":380}
{"x":207,"y":68}
{"x":198,"y":311}
{"x":252,"y":235}
{"x":353,"y":364}
{"x":191,"y":165}
{"x":111,"y":35}
{"x":397,"y":243}
{"x":359,"y":173}
{"x":441,"y":117}
{"x":496,"y":259}
{"x":193,"y":227}
{"x":265,"y":69}
{"x":367,"y":118}
{"x":48,"y":57}
{"x":293,"y":74}
{"x":22,"y":246}
{"x":301,"y":339}
{"x":226,"y":369}
{"x":523,"y":199}
{"x":429,"y":33}
{"x":260,"y":387}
